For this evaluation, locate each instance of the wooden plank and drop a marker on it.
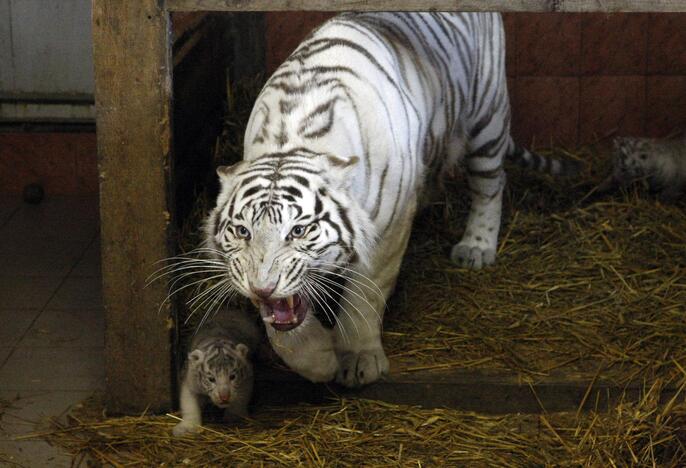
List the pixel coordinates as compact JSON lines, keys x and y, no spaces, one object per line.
{"x":133,"y":95}
{"x":495,"y":392}
{"x":432,"y":5}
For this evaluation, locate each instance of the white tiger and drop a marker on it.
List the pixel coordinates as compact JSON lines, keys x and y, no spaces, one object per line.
{"x":342,"y":141}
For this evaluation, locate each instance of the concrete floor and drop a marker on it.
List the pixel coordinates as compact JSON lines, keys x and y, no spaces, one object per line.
{"x":51,"y":319}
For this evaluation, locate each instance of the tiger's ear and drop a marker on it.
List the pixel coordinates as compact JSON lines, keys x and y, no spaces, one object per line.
{"x":196,"y":357}
{"x":225,"y":172}
{"x":242,"y":350}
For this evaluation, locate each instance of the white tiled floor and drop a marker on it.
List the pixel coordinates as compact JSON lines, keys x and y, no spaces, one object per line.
{"x":51,"y":319}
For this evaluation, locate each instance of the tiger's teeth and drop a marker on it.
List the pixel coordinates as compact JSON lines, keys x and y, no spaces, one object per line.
{"x":294,"y":319}
{"x":289,"y":300}
{"x":255,"y":302}
{"x":270,"y":319}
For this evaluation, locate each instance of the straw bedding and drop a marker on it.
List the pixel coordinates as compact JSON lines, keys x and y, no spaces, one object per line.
{"x":585,"y":287}
{"x":350,"y":432}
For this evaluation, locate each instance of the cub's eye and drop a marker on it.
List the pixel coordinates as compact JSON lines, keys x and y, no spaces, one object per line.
{"x":211,"y":379}
{"x":297,"y":231}
{"x":243,"y":232}
{"x":232,"y":377}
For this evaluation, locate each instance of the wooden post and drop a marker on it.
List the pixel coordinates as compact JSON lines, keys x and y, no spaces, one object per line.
{"x":133,"y":91}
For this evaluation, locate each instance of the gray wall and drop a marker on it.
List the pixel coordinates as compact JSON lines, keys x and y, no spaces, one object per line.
{"x":46,"y":66}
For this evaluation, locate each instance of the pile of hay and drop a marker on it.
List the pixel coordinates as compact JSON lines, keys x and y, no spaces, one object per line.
{"x":578,"y":286}
{"x":361,"y":432}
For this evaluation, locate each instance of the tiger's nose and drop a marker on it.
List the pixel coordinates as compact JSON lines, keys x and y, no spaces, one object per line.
{"x":265,"y":292}
{"x":224,"y":397}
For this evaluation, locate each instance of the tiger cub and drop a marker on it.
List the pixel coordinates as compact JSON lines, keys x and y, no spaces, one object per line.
{"x":218,"y":369}
{"x":661,"y":163}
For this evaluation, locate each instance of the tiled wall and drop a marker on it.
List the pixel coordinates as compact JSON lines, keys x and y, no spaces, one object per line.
{"x":64,"y":163}
{"x":573,"y":78}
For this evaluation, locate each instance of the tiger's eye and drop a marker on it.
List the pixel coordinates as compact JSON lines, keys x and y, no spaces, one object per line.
{"x":297,"y":231}
{"x":211,"y":379}
{"x":232,"y":377}
{"x":243,"y":232}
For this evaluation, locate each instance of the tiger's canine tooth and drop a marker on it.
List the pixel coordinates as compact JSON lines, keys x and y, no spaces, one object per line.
{"x":289,"y":300}
{"x":269,"y":319}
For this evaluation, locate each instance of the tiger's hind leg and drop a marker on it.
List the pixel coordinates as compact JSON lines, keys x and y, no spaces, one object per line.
{"x":486,"y":181}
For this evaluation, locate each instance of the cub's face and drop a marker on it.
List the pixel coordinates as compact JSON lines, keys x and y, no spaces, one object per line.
{"x":279,"y":227}
{"x":632,"y":159}
{"x":221,"y":371}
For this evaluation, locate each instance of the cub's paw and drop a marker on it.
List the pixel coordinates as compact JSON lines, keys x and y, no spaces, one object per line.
{"x":185,"y":427}
{"x":365,"y":367}
{"x":472,"y":257}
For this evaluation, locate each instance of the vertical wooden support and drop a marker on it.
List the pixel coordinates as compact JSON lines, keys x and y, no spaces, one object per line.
{"x":133,"y":90}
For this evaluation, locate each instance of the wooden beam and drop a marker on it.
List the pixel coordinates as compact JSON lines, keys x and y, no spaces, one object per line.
{"x":607,"y":6}
{"x":133,"y":90}
{"x":492,"y":392}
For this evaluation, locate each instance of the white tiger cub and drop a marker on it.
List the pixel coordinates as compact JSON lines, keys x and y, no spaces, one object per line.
{"x":342,"y":141}
{"x":218,"y":368}
{"x":661,"y":162}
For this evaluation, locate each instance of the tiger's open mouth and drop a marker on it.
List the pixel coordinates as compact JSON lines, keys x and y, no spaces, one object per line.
{"x":285,"y":313}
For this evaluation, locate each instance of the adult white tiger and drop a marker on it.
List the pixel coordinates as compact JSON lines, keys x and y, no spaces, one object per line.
{"x":342,"y":140}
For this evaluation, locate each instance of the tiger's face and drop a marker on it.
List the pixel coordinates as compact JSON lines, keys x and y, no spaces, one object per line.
{"x":281,"y":223}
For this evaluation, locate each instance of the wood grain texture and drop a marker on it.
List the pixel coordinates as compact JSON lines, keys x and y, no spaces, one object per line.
{"x":133,"y":95}
{"x":431,"y":5}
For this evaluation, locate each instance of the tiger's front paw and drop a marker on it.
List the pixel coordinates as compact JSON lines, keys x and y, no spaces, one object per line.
{"x":472,"y":257}
{"x":365,"y":367}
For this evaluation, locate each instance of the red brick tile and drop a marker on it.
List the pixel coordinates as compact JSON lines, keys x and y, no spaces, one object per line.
{"x":613,"y":44}
{"x":87,"y":164}
{"x":548,"y":44}
{"x":609,"y":105}
{"x":546,"y":110}
{"x":665,"y":105}
{"x":45,"y":158}
{"x":510,"y":24}
{"x":667,"y":44}
{"x":285,"y":30}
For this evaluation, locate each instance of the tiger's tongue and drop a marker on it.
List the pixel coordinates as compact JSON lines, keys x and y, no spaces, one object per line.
{"x":282,"y":313}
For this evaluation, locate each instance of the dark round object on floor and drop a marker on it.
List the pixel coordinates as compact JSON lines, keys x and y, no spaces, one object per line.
{"x":33,"y":193}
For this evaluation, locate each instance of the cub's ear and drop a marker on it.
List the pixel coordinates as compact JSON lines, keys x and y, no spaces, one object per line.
{"x":196,"y":357}
{"x":242,"y":350}
{"x":621,"y":144}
